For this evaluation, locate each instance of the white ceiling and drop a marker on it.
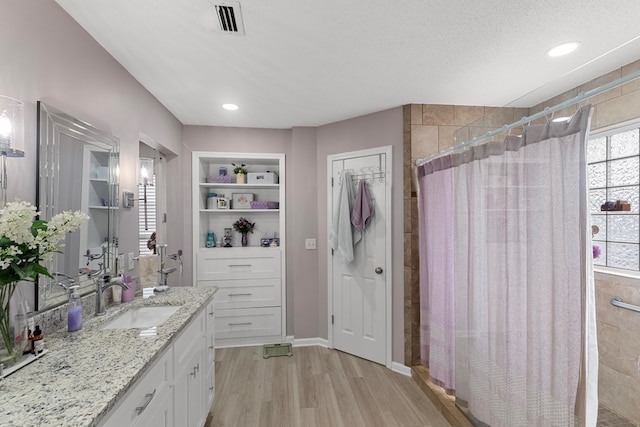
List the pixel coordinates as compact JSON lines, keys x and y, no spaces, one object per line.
{"x":311,"y":62}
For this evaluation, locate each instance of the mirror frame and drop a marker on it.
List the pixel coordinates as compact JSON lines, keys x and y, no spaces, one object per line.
{"x":53,"y":125}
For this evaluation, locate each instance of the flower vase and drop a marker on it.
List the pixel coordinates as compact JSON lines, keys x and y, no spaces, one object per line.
{"x":9,"y":353}
{"x":244,"y":240}
{"x":241,"y":178}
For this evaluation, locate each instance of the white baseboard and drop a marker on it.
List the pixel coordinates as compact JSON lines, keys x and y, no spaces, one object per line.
{"x":322,"y":342}
{"x":401,"y":369}
{"x":306,"y":342}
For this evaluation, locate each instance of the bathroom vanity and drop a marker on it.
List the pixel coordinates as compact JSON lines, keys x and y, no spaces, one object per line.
{"x":100,"y":376}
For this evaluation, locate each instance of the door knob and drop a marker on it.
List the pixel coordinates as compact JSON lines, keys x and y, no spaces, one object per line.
{"x":378,"y":270}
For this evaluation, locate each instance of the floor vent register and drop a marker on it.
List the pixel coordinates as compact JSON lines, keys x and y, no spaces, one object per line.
{"x":273,"y":350}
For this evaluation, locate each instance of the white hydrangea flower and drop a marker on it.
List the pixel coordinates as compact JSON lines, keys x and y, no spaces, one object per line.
{"x":16,"y":220}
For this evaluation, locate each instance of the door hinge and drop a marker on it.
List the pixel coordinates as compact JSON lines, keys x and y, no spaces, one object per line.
{"x":332,"y":181}
{"x":332,"y":319}
{"x":331,"y":251}
{"x":164,"y":218}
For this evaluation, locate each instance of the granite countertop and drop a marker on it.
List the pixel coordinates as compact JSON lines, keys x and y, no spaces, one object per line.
{"x":84,"y":373}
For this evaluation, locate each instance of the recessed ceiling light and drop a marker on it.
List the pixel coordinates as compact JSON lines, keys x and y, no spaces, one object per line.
{"x":563,"y":49}
{"x":230,"y":107}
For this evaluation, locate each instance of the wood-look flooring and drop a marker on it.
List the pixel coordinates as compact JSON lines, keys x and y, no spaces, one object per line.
{"x":314,"y":387}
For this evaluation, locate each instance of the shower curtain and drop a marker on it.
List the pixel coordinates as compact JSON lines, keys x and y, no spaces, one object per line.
{"x":506,"y":284}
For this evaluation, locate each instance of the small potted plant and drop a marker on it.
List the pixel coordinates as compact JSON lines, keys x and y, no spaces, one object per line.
{"x":244,"y":227}
{"x":241,"y":173}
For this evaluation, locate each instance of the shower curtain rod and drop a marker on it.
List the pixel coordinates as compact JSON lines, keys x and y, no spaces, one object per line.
{"x":543,"y":113}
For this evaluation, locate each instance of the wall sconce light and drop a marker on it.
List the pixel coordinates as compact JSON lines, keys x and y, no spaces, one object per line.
{"x":145,"y":171}
{"x":145,"y":178}
{"x":11,"y":137}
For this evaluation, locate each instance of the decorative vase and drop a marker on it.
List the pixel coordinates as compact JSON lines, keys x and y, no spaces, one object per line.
{"x":9,"y":353}
{"x":241,"y":178}
{"x":244,"y":240}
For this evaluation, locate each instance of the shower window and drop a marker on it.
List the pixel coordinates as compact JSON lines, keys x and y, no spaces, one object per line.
{"x":613,"y":170}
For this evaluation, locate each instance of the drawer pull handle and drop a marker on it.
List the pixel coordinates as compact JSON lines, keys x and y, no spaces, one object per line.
{"x":195,"y":370}
{"x":239,"y":265}
{"x":241,"y":295}
{"x":211,"y":313}
{"x":211,"y":347}
{"x":149,"y":396}
{"x":239,"y":324}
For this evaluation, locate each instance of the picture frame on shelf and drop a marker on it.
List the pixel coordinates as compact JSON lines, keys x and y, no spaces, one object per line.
{"x":223,"y":203}
{"x":241,"y":200}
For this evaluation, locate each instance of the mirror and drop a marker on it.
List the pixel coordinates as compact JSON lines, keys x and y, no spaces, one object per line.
{"x":78,"y":169}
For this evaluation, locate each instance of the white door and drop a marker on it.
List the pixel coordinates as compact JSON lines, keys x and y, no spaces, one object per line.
{"x":360,"y":293}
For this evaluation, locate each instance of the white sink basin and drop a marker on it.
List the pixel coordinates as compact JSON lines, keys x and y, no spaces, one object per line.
{"x":142,"y":317}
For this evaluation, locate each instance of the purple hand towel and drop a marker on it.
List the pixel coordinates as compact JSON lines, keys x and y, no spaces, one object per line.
{"x":362,"y":208}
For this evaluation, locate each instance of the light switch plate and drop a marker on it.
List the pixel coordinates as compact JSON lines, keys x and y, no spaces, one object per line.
{"x":130,"y":259}
{"x":310,"y":243}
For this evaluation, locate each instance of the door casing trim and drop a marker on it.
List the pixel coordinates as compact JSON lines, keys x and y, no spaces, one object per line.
{"x":387,"y":150}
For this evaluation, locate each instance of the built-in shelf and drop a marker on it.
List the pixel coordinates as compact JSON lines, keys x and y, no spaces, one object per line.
{"x":255,"y":272}
{"x":225,"y":185}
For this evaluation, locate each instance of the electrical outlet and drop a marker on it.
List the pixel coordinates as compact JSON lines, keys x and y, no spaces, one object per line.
{"x":130,"y":259}
{"x":120,"y":264}
{"x":310,"y":243}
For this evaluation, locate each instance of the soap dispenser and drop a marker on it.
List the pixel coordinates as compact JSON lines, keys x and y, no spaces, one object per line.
{"x":74,"y":312}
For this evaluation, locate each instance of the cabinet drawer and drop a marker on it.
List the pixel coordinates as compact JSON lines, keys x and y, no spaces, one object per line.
{"x":190,"y":338}
{"x":220,"y":264}
{"x":138,"y":401}
{"x":209,"y":314}
{"x":246,"y":293}
{"x":248,"y":322}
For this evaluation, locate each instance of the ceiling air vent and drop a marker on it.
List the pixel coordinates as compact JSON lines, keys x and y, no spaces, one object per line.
{"x":229,"y":17}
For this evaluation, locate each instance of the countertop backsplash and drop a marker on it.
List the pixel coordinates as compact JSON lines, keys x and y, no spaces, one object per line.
{"x":55,"y":318}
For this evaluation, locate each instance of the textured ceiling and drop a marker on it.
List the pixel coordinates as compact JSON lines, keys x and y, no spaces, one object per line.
{"x":309,"y":62}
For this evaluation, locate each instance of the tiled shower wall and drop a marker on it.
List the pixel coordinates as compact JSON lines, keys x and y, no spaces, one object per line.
{"x":618,"y":346}
{"x":429,"y":129}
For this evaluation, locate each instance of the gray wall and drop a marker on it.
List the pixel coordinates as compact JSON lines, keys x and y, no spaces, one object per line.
{"x":373,"y":130}
{"x":47,"y":56}
{"x":306,"y":151}
{"x":236,"y":140}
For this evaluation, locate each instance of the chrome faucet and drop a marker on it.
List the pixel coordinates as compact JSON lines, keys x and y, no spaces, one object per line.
{"x":164,"y":272}
{"x":103,"y":283}
{"x":65,"y":284}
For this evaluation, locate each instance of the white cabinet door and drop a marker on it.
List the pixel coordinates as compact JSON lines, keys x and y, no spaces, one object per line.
{"x":189,"y":401}
{"x":210,"y":334}
{"x":209,"y":380}
{"x":159,"y":412}
{"x":209,"y":389}
{"x":133,"y":408}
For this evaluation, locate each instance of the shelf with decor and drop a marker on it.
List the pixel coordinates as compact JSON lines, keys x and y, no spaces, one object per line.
{"x":252,"y":277}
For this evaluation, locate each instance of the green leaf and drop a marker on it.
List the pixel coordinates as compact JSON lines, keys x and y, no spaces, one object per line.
{"x":42,"y":270}
{"x":38,"y":225}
